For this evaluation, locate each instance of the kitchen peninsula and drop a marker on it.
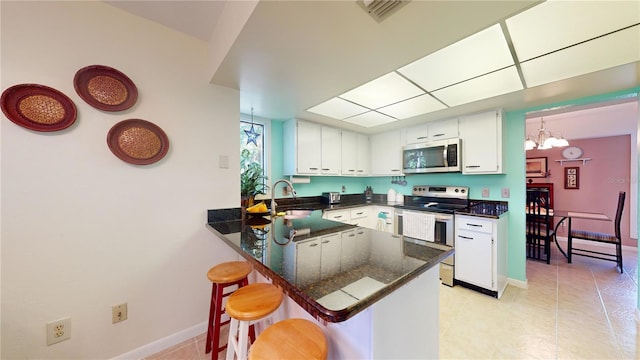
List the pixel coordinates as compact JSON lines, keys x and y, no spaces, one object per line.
{"x":375,"y":294}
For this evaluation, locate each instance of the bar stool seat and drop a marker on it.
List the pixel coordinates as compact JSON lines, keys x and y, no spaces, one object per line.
{"x":223,"y":276}
{"x":290,"y":339}
{"x":245,"y":306}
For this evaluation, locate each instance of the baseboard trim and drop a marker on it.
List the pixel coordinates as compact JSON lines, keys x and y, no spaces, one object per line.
{"x":164,"y":343}
{"x":518,"y":283}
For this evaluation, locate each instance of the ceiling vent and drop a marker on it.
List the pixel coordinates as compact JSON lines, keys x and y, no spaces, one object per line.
{"x":381,"y":9}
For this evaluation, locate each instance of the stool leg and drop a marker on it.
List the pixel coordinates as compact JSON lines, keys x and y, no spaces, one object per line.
{"x":212,"y":312}
{"x":242,"y":340}
{"x":232,"y":343}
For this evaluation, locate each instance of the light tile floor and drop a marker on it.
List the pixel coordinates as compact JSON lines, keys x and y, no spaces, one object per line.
{"x":583,"y":310}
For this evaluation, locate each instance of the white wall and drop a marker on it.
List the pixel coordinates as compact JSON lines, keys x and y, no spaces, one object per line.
{"x":82,"y":230}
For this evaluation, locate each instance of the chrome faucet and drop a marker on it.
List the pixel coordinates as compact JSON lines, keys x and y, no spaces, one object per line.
{"x":273,"y":191}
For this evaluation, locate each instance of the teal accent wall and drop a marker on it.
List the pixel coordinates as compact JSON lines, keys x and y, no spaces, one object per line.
{"x":514,"y":179}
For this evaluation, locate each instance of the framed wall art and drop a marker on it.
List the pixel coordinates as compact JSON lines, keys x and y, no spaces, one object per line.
{"x":537,"y":167}
{"x":572,"y":178}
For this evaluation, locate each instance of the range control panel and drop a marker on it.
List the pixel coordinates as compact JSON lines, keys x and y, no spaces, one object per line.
{"x":456,"y":192}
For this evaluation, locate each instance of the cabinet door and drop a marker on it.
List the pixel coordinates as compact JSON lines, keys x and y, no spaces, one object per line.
{"x":417,"y":134}
{"x":363,"y":161}
{"x":330,"y":255}
{"x":349,"y":153}
{"x":349,"y":250}
{"x":481,"y":136}
{"x":309,"y":143}
{"x":474,"y":258}
{"x":308,"y":262}
{"x":330,"y":149}
{"x":386,"y":153}
{"x":363,"y":246}
{"x":337,"y":215}
{"x":443,"y":129}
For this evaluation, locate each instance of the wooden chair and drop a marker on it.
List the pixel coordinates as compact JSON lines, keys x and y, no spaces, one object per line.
{"x":613,"y":239}
{"x":539,"y":225}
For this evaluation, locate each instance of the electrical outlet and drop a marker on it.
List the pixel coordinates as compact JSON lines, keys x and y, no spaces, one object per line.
{"x":505,"y":192}
{"x":485,"y":192}
{"x":119,"y":313}
{"x":344,"y":188}
{"x":59,"y":330}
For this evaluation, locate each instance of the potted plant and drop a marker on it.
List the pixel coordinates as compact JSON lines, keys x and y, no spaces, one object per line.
{"x":252,"y":179}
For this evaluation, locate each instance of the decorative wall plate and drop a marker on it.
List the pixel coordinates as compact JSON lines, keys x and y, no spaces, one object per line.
{"x":38,"y":107}
{"x":105,"y":88}
{"x":138,"y":141}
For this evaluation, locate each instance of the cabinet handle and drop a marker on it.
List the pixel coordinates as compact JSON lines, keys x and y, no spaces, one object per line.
{"x":465,"y":237}
{"x":476,"y":225}
{"x":360,"y":232}
{"x":314,"y":244}
{"x":360,"y":170}
{"x":326,"y":241}
{"x":337,"y":216}
{"x":436,"y":135}
{"x":421,"y":137}
{"x":351,"y":170}
{"x":359,"y":213}
{"x":395,"y":170}
{"x":472,"y":166}
{"x":313,"y":168}
{"x":323,"y":169}
{"x":352,"y":235}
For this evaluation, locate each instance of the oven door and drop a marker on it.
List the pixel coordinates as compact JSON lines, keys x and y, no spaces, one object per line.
{"x":442,"y":228}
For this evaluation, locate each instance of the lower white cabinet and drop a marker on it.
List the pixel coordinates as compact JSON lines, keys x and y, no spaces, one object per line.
{"x":307,"y":268}
{"x":330,"y":253}
{"x":481,"y":252}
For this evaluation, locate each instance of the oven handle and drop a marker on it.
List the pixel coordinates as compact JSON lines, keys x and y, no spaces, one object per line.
{"x":397,"y":222}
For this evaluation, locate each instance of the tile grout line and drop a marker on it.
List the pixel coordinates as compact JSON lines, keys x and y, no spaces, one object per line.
{"x":606,"y":314}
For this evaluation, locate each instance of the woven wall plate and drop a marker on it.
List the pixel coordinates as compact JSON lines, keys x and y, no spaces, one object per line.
{"x":38,"y":107}
{"x":105,"y":88}
{"x":138,"y":142}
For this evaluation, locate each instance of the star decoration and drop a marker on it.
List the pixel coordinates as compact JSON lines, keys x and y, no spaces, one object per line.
{"x":252,"y":136}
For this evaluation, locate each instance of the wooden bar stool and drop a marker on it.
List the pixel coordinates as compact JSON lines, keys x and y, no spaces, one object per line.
{"x":223,"y":276}
{"x":290,"y":339}
{"x":245,"y":306}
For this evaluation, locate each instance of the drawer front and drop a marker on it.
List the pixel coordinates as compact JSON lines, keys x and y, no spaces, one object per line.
{"x":359,"y":213}
{"x":474,"y":224}
{"x":337,"y":215}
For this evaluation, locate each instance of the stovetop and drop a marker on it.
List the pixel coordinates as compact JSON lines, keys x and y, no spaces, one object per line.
{"x":442,"y":199}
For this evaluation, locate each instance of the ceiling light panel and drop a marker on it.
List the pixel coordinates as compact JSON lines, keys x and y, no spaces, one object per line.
{"x":385,"y":90}
{"x":497,"y":83}
{"x":554,"y":25}
{"x":475,"y":55}
{"x":619,"y":48}
{"x":419,"y":105}
{"x":337,"y":108}
{"x":370,"y":119}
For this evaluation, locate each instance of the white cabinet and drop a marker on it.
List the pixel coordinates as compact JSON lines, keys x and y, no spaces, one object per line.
{"x":330,"y":146}
{"x":432,"y":131}
{"x":330,"y":253}
{"x":481,"y":252}
{"x":349,"y":254}
{"x":359,"y":216}
{"x":355,"y":154}
{"x":386,"y":153}
{"x":302,"y":143}
{"x":307,"y":262}
{"x":481,"y":136}
{"x":342,"y":216}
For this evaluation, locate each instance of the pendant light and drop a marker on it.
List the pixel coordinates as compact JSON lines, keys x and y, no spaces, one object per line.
{"x":544,"y":140}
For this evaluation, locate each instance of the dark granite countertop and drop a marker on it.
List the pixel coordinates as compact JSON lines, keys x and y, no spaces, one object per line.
{"x":371,"y":265}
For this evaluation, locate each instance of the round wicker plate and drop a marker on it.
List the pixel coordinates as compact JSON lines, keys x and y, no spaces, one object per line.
{"x":38,"y":107}
{"x":105,"y":88}
{"x":138,"y":142}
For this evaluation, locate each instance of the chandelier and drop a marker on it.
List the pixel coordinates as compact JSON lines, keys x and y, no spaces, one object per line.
{"x":544,"y":140}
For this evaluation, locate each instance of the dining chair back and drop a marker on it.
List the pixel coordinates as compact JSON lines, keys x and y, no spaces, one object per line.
{"x":539,"y":225}
{"x":612,"y":239}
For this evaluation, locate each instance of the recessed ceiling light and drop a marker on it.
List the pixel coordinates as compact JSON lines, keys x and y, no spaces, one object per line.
{"x":554,"y":25}
{"x":338,"y":109}
{"x":385,"y":90}
{"x":483,"y":87}
{"x":370,"y":119}
{"x":478,"y":54}
{"x":418,"y":105}
{"x":616,"y":49}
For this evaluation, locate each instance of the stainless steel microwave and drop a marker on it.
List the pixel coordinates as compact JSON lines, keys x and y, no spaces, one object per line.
{"x":437,"y":156}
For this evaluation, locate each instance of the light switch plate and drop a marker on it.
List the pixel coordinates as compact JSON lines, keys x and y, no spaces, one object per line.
{"x":505,"y":192}
{"x":485,"y":192}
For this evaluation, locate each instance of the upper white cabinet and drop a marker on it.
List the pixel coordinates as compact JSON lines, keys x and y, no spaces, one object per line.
{"x":330,"y":151}
{"x":355,"y":154}
{"x":432,"y":131}
{"x":386,"y":153}
{"x":481,"y":136}
{"x":302,"y":144}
